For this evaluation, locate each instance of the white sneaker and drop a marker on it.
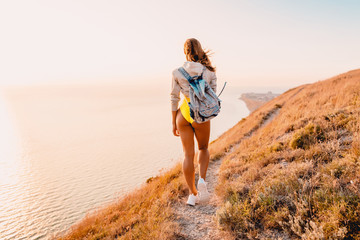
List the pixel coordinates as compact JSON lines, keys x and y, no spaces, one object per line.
{"x":192,"y":200}
{"x":202,"y":188}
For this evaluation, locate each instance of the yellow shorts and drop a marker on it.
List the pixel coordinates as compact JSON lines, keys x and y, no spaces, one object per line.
{"x":185,"y":110}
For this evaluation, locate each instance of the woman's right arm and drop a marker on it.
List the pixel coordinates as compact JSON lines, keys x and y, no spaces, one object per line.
{"x":174,"y":127}
{"x":175,"y":98}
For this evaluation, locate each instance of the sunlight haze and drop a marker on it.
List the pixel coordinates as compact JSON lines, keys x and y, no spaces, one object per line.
{"x":255,"y":43}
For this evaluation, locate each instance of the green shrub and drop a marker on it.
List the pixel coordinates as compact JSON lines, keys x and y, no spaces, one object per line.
{"x":277,"y":147}
{"x":307,"y":136}
{"x":236,"y":216}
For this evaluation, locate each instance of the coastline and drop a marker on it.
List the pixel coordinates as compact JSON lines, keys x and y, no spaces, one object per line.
{"x":255,"y":100}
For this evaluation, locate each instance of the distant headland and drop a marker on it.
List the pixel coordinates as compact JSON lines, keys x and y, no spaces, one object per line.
{"x":255,"y":100}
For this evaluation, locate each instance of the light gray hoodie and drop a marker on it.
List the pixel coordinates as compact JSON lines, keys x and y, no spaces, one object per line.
{"x":181,"y":84}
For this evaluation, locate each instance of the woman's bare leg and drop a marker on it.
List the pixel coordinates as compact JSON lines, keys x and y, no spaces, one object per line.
{"x":187,"y":140}
{"x":202,"y":134}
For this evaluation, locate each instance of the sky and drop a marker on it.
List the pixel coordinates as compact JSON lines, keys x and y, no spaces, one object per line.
{"x":254,"y":43}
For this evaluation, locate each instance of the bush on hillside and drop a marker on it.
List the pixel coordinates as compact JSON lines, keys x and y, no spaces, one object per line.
{"x":307,"y":136}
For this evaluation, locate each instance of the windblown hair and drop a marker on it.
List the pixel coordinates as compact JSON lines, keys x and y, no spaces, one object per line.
{"x":195,"y":53}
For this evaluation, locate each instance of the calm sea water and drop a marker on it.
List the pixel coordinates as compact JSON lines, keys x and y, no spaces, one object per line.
{"x":66,"y":150}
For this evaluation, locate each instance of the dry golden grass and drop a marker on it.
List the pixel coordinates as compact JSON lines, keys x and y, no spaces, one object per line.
{"x":298,"y":174}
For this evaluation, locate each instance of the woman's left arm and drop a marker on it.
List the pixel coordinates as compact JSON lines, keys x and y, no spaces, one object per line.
{"x":213,"y":82}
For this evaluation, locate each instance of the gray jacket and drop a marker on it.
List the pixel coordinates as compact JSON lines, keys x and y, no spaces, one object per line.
{"x":181,"y":84}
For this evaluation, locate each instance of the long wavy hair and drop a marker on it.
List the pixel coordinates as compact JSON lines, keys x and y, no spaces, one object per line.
{"x":195,"y":53}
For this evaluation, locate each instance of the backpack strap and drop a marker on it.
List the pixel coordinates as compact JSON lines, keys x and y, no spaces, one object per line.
{"x":185,"y":73}
{"x":222,"y":89}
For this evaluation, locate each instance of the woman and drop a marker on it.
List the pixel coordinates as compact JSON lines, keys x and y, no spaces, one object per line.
{"x":184,"y":126}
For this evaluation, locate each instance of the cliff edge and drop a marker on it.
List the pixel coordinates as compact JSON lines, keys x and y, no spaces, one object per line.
{"x":290,"y":170}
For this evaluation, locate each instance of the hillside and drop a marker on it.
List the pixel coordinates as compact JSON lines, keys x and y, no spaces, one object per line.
{"x":298,"y":176}
{"x":290,"y":170}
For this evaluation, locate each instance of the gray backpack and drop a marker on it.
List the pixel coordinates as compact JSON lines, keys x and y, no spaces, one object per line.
{"x":204,"y":103}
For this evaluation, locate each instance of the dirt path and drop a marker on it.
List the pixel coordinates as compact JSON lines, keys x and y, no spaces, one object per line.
{"x":199,"y":222}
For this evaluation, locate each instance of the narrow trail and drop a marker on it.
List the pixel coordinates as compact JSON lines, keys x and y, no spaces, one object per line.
{"x":199,"y":222}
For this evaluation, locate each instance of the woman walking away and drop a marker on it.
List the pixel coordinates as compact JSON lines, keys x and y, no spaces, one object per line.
{"x":197,"y":64}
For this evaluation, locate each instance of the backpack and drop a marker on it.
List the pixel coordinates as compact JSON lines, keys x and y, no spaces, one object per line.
{"x":204,"y":103}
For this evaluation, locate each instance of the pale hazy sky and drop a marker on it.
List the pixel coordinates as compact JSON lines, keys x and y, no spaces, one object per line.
{"x":255,"y":42}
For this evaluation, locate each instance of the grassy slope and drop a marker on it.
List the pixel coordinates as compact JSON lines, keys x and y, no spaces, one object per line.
{"x":299,"y":173}
{"x":145,"y":213}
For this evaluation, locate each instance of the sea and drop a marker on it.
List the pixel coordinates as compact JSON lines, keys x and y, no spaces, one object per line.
{"x":67,"y":150}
